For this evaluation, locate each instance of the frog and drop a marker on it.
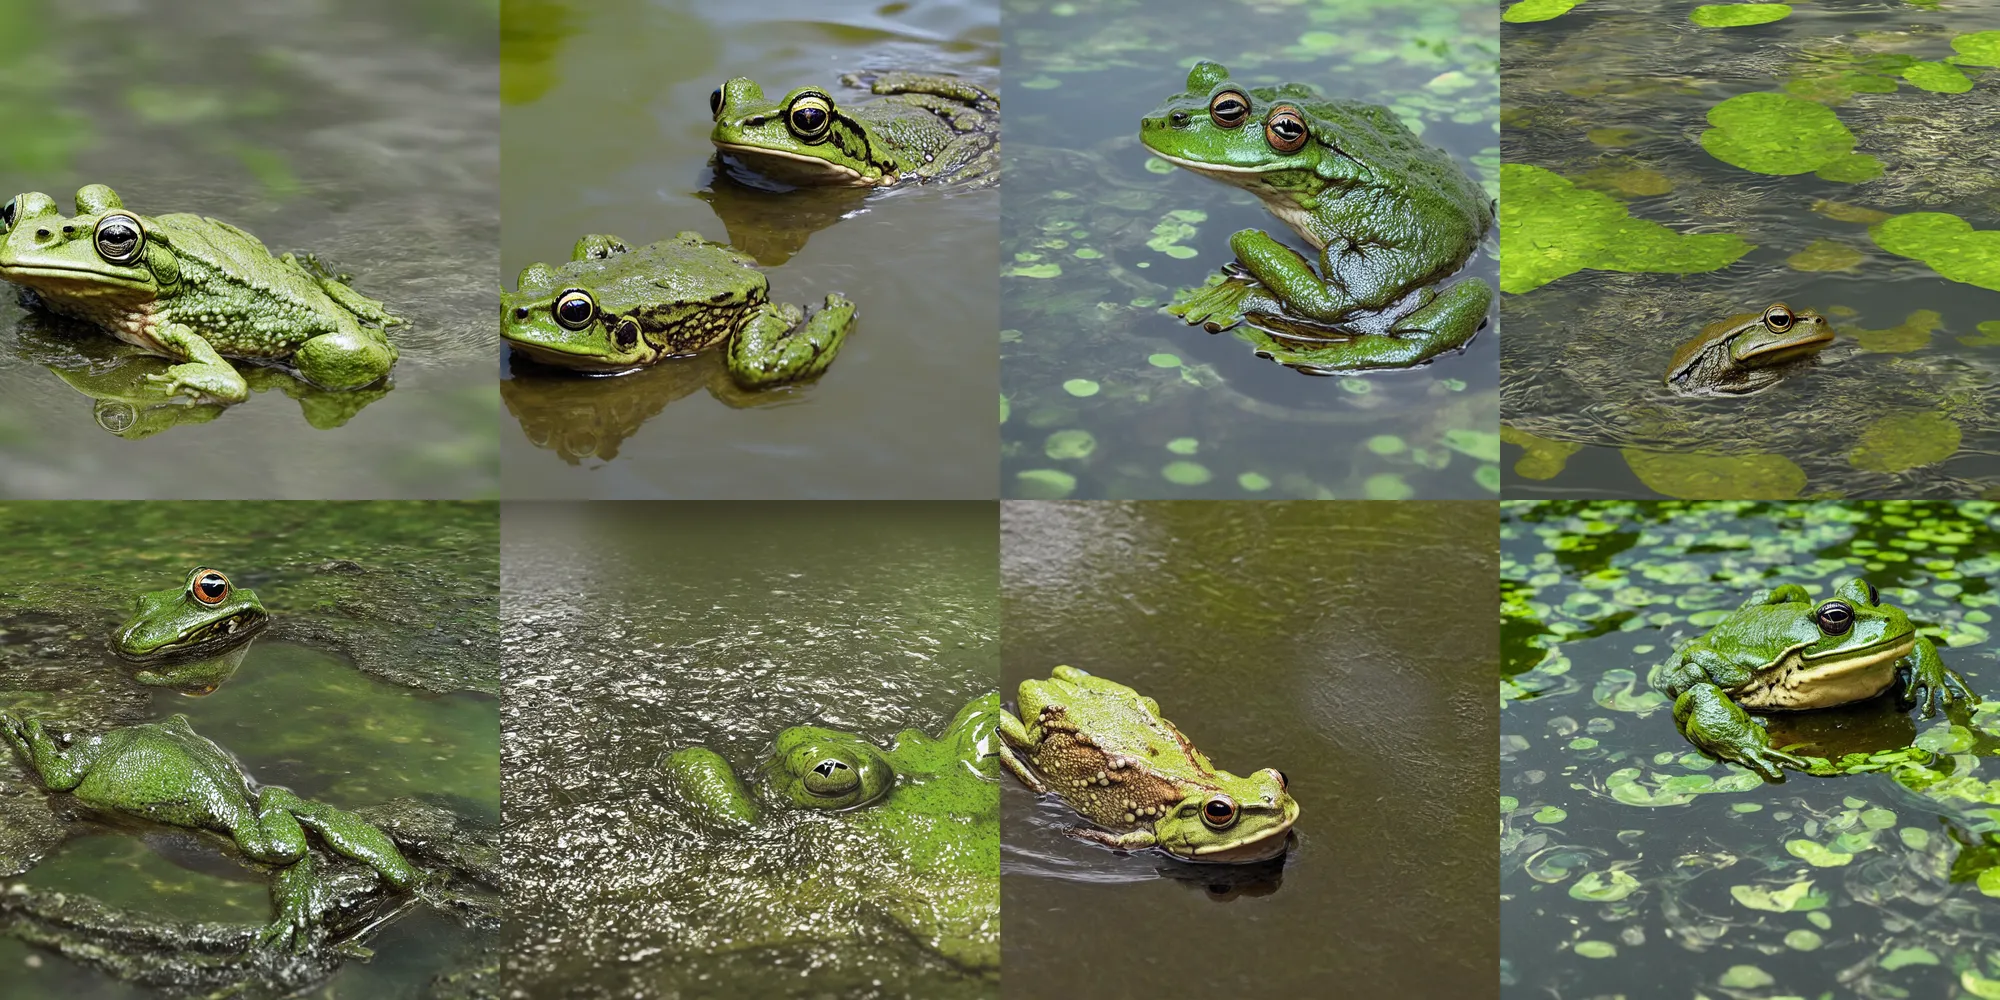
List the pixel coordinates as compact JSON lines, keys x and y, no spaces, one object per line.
{"x":195,"y":290}
{"x":616,"y":308}
{"x":1782,"y":651}
{"x":191,"y":637}
{"x":1108,"y":753}
{"x":166,"y":773}
{"x":917,"y":823}
{"x":925,"y":128}
{"x":1747,"y":352}
{"x":1392,"y":217}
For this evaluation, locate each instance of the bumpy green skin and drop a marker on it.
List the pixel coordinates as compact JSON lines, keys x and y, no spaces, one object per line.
{"x":166,"y":773}
{"x":178,"y":641}
{"x":1772,"y":654}
{"x":200,"y":292}
{"x":670,"y":299}
{"x":925,"y":128}
{"x":1107,"y":752}
{"x":1392,"y":216}
{"x":937,"y":801}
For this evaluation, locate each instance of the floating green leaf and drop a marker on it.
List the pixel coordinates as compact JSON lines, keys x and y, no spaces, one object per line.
{"x":1387,"y":486}
{"x":1937,"y":78}
{"x":1080,"y":387}
{"x":1780,"y":134}
{"x":1044,"y":484}
{"x":1033,"y":271}
{"x":1945,"y":242}
{"x":1386,"y":444}
{"x":1070,"y":444}
{"x":1913,"y":334}
{"x":1594,"y":949}
{"x":1745,"y":977}
{"x":1185,"y":473}
{"x":1481,"y":445}
{"x":1537,"y":10}
{"x":1544,"y":459}
{"x":1824,"y":255}
{"x":1550,"y":228}
{"x":1907,"y":956}
{"x":1792,"y":898}
{"x":1981,"y":48}
{"x":1802,"y":940}
{"x":1184,"y":446}
{"x":1738,"y":15}
{"x":1698,"y":476}
{"x":1904,"y":441}
{"x":1817,"y":855}
{"x":1604,"y":887}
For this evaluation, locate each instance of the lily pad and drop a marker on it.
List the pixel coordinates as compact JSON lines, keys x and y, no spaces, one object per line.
{"x":1070,"y":444}
{"x":1080,"y":387}
{"x":1988,"y":335}
{"x":1699,"y":476}
{"x":1544,"y":459}
{"x":1824,"y":255}
{"x":1185,"y":473}
{"x":1816,"y":854}
{"x":1604,"y":887}
{"x":1780,"y":134}
{"x":1537,"y":10}
{"x":1913,"y":334}
{"x":1904,"y":441}
{"x":1937,"y":78}
{"x":1481,"y":445}
{"x":1550,"y":228}
{"x":1745,"y":977}
{"x":1981,"y":48}
{"x":1790,"y":899}
{"x":1044,"y":484}
{"x":1945,"y":242}
{"x":1739,"y":15}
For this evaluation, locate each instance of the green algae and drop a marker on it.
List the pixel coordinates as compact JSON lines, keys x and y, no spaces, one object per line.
{"x":1544,"y":458}
{"x":1945,"y":242}
{"x":1783,"y":135}
{"x":1700,"y":476}
{"x":1550,"y":228}
{"x":1913,"y":334}
{"x":1905,"y":441}
{"x":1824,"y":255}
{"x":1739,"y":15}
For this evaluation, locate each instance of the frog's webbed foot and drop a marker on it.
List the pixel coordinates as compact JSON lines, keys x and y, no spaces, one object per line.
{"x":1927,"y":682}
{"x":300,"y":893}
{"x":203,"y":374}
{"x":1215,"y":306}
{"x":779,"y":344}
{"x":1136,"y":840}
{"x":1722,"y":729}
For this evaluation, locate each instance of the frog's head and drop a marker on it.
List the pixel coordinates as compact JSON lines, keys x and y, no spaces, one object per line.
{"x":613,"y":309}
{"x":1237,"y":820}
{"x":1779,"y":335}
{"x":814,"y":768}
{"x":204,"y":617}
{"x":1254,"y":139}
{"x":1851,"y":629}
{"x":803,"y":139}
{"x":104,"y":258}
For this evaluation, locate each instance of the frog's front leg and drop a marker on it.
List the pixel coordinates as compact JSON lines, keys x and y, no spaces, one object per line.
{"x":345,"y":832}
{"x":349,"y":358}
{"x":1356,"y":280}
{"x":299,"y":894}
{"x":59,"y":763}
{"x":1013,"y":734}
{"x":702,"y":778}
{"x":202,"y":373}
{"x":778,"y":344}
{"x":1136,"y":840}
{"x":1720,"y":727}
{"x":1925,"y":680}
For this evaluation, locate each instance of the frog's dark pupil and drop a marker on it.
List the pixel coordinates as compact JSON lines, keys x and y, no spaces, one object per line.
{"x":627,"y":333}
{"x":7,"y":214}
{"x":827,"y":767}
{"x":574,"y":310}
{"x":1219,"y":811}
{"x":809,"y":119}
{"x":1835,"y":618}
{"x":1873,"y":597}
{"x":213,"y":588}
{"x":715,"y":102}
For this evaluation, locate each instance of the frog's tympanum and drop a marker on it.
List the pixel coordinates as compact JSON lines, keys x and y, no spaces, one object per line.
{"x":1783,"y":651}
{"x":196,"y":291}
{"x":615,"y":308}
{"x":1391,"y":215}
{"x":924,"y":128}
{"x":166,"y":773}
{"x":1107,"y":752}
{"x":191,"y":637}
{"x":917,"y":824}
{"x":1746,"y":353}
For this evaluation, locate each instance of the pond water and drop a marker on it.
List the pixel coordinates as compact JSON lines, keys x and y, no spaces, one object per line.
{"x":1628,"y":857}
{"x":366,"y":134}
{"x":1838,"y":131}
{"x":1107,"y":396}
{"x":1320,"y":639}
{"x":634,"y":630}
{"x":294,"y":714}
{"x":606,"y":127}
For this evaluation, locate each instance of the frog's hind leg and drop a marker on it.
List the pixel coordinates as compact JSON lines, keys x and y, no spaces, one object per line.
{"x":1722,"y":729}
{"x":346,"y":833}
{"x":1136,"y":840}
{"x":1443,"y":324}
{"x":778,"y":344}
{"x":350,"y":358}
{"x":1012,"y":734}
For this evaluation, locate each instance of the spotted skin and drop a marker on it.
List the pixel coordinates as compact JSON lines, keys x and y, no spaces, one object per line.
{"x":923,"y":128}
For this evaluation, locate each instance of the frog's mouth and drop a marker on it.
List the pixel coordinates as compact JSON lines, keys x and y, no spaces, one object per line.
{"x":207,"y":640}
{"x":41,"y":275}
{"x":573,"y":360}
{"x":797,"y":168}
{"x":1796,"y":681}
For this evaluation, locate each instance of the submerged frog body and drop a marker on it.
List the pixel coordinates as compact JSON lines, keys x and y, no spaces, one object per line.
{"x":1391,"y":215}
{"x":918,"y":824}
{"x":1782,"y":651}
{"x":924,"y":128}
{"x":166,"y":773}
{"x":1106,"y":750}
{"x":615,"y":308}
{"x":1747,"y":353}
{"x":191,"y":637}
{"x":193,"y":290}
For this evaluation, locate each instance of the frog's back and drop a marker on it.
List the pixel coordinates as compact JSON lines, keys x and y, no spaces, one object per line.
{"x":247,"y":302}
{"x":1374,"y":135}
{"x":166,"y":773}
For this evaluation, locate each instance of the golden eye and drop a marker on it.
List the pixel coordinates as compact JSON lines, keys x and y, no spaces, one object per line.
{"x":1834,"y":617}
{"x":119,"y":238}
{"x":575,"y":309}
{"x":1219,"y":813}
{"x":1229,"y":108}
{"x":1779,"y":318}
{"x":715,"y":103}
{"x":1285,"y":129}
{"x":810,"y":116}
{"x":210,"y":587}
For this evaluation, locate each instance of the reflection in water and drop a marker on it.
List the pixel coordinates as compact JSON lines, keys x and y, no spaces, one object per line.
{"x":772,"y":224}
{"x":585,"y":418}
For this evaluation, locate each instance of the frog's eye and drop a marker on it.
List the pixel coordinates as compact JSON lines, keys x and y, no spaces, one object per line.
{"x":1779,"y":318}
{"x":626,"y":334}
{"x":1834,"y":617}
{"x":210,"y":587}
{"x":575,"y":309}
{"x":715,"y":103}
{"x":1285,"y":129}
{"x":1874,"y":597}
{"x":1283,"y":782}
{"x":1219,"y":813}
{"x":1229,"y":108}
{"x":810,"y":116}
{"x":119,"y":238}
{"x":832,"y":776}
{"x":8,"y":214}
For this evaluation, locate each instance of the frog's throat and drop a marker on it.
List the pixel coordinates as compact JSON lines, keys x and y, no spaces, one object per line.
{"x":800,"y":168}
{"x":1283,"y":204}
{"x":1795,"y":681}
{"x":207,"y":640}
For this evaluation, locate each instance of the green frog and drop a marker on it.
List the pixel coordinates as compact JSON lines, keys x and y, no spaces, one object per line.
{"x":166,"y":773}
{"x":196,"y":291}
{"x":1747,"y":353}
{"x":925,"y":128}
{"x":1106,"y":750}
{"x":917,"y":823}
{"x":1783,"y":651}
{"x":615,"y":308}
{"x":192,"y":637}
{"x":1391,"y":215}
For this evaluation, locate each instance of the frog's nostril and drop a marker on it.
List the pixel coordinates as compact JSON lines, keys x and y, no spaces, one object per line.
{"x":520,"y":312}
{"x":1179,"y":119}
{"x":42,"y":234}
